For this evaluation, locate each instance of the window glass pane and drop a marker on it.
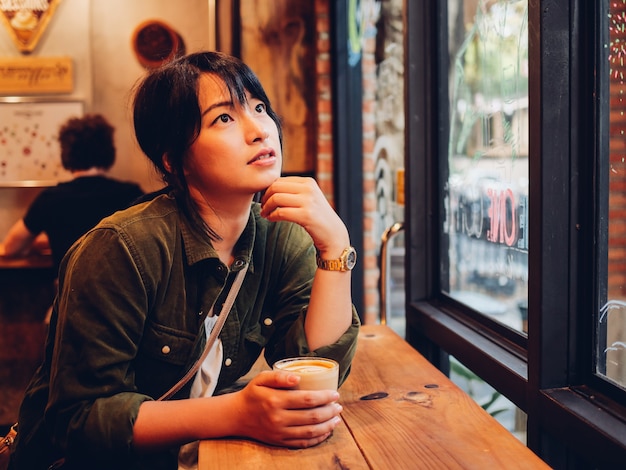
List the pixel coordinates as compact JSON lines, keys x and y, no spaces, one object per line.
{"x":611,"y":333}
{"x":485,"y":239}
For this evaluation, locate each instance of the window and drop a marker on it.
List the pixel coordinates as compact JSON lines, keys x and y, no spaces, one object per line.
{"x":484,"y":238}
{"x":611,"y":249}
{"x":547,"y":116}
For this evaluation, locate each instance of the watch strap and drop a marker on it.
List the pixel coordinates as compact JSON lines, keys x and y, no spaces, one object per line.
{"x":345,"y":262}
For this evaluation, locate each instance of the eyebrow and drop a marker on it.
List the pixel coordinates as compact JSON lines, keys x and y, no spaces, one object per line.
{"x":220,"y":104}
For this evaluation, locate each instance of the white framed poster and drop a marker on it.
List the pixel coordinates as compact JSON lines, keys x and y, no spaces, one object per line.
{"x":29,"y":149}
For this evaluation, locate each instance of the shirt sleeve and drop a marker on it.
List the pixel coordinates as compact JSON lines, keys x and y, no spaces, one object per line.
{"x":298,"y":267}
{"x":93,"y":399}
{"x":36,"y":216}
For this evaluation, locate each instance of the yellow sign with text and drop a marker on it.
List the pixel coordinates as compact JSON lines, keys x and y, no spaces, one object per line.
{"x":28,"y":75}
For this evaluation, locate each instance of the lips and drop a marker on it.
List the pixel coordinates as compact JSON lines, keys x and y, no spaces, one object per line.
{"x":263,"y":155}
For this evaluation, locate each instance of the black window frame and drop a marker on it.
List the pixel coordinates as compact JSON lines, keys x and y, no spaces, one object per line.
{"x":575,"y":420}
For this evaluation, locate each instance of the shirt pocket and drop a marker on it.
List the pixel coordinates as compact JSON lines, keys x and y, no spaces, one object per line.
{"x":168,"y":345}
{"x":253,"y":342}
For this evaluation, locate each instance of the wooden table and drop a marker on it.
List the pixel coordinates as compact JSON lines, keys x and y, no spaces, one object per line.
{"x":421,"y":420}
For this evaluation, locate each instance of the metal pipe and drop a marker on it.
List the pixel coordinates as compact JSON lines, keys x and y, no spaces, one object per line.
{"x":387,"y":235}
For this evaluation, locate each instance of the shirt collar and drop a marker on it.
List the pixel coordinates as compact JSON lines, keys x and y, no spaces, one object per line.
{"x":198,"y":245}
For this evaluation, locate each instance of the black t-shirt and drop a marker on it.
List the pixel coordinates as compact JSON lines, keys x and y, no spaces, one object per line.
{"x":68,"y":210}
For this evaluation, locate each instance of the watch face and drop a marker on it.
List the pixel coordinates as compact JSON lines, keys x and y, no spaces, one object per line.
{"x":351,"y":259}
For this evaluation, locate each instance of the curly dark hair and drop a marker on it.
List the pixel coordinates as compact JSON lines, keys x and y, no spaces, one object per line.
{"x":87,"y":142}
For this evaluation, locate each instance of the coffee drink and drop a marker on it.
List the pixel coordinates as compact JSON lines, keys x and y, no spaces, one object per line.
{"x":316,"y":373}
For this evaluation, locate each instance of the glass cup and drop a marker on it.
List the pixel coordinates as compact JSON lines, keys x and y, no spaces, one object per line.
{"x":316,"y":373}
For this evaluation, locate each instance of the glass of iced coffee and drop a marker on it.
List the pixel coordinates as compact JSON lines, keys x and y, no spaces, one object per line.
{"x":316,"y":373}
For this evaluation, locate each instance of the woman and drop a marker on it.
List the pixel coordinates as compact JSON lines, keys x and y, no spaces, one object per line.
{"x":66,"y":211}
{"x":135,"y":290}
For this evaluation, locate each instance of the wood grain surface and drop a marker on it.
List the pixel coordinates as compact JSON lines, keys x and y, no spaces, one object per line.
{"x":400,"y":412}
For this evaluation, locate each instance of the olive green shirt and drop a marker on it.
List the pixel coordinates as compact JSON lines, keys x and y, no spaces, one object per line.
{"x":128,"y":322}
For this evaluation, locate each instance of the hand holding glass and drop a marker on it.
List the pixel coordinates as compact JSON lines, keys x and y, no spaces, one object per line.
{"x":316,"y":373}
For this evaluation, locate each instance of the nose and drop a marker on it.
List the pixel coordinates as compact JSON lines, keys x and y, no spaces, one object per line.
{"x":256,"y":130}
{"x":259,"y":133}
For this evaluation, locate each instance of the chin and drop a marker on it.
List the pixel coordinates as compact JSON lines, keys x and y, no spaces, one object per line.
{"x":272,"y":177}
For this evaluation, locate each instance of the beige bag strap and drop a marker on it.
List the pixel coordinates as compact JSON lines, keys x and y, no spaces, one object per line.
{"x":221,"y":320}
{"x":8,"y":440}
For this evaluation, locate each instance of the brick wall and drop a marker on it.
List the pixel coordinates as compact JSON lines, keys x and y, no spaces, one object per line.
{"x":371,"y":243}
{"x":324,"y":163}
{"x":325,"y":157}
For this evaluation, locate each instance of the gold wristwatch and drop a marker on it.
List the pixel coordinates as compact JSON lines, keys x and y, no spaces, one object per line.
{"x":345,"y":262}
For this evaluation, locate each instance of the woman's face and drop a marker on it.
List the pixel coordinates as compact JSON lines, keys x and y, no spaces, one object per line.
{"x":237,"y":152}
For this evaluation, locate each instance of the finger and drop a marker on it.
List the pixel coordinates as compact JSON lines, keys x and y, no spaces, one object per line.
{"x":276,"y":379}
{"x":271,"y":203}
{"x":305,"y":443}
{"x":313,"y":403}
{"x":291,"y":185}
{"x":289,"y":214}
{"x":319,"y":415}
{"x":282,"y":200}
{"x":309,"y":435}
{"x":300,"y":208}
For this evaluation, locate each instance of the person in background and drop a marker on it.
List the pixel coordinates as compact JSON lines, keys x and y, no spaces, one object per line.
{"x":131,"y":316}
{"x":62,"y":213}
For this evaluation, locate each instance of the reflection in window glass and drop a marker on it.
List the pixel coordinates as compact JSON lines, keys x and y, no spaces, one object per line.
{"x":612,"y":316}
{"x":485,"y":230}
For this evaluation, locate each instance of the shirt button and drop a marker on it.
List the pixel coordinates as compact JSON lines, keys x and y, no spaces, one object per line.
{"x":228,"y":362}
{"x":267,"y":321}
{"x":220,"y":269}
{"x":239,"y":263}
{"x":200,"y":313}
{"x":166,"y":349}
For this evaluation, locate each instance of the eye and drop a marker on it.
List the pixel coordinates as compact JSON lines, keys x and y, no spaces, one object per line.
{"x":260,"y":108}
{"x":224,"y":118}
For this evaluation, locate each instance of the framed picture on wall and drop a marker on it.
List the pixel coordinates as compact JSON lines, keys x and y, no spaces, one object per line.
{"x":29,"y":149}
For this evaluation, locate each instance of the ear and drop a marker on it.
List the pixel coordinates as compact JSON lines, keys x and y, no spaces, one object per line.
{"x":166,"y":163}
{"x":168,"y":167}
